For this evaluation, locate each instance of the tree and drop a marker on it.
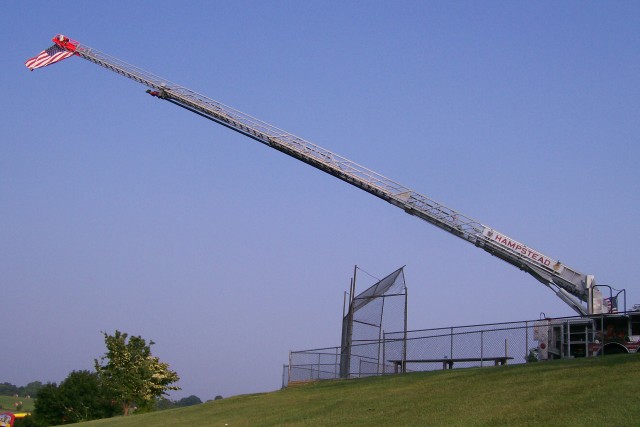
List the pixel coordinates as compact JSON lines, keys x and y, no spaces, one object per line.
{"x":189,"y":401}
{"x":8,"y":389}
{"x":84,"y":398}
{"x":80,"y":397}
{"x":26,"y":422}
{"x":49,"y":409}
{"x":30,"y":389}
{"x":163,"y":403}
{"x":133,"y":376}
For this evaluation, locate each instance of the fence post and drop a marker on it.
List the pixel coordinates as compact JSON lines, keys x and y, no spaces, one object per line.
{"x":284,"y":367}
{"x":404,"y":335}
{"x":569,"y":339}
{"x":481,"y":347}
{"x":526,"y":340}
{"x":384,"y":356}
{"x":603,"y":335}
{"x":451,"y":349}
{"x":586,"y":341}
{"x":380,"y":334}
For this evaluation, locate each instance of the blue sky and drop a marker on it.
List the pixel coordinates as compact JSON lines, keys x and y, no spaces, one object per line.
{"x":118,"y":211}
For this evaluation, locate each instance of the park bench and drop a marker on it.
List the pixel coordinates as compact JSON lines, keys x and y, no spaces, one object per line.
{"x":448,"y":363}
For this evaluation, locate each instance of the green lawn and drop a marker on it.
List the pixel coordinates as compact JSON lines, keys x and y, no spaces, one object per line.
{"x":595,"y":391}
{"x":7,"y":403}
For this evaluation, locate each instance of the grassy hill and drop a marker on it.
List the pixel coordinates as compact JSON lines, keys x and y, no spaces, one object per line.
{"x":595,"y":391}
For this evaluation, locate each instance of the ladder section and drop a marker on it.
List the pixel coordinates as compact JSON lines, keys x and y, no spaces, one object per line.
{"x":345,"y":169}
{"x":568,"y":283}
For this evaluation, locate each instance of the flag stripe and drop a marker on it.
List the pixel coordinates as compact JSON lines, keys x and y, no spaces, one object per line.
{"x":47,"y":57}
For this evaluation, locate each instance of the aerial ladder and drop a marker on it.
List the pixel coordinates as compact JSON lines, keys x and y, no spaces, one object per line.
{"x":571,"y":286}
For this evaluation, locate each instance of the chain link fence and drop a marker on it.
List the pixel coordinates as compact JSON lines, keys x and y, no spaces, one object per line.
{"x":380,"y":307}
{"x":464,"y":346}
{"x":425,"y":349}
{"x":473,"y":346}
{"x":325,"y":363}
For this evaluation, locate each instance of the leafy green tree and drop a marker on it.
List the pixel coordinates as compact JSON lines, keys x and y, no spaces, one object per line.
{"x":163,"y":403}
{"x":27,"y":422}
{"x":8,"y":389}
{"x":189,"y":401}
{"x":80,"y":397}
{"x":48,"y":407}
{"x":134,"y":377}
{"x":84,"y":398}
{"x":30,"y":389}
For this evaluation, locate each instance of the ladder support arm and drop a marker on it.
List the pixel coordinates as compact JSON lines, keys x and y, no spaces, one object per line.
{"x":572,"y":286}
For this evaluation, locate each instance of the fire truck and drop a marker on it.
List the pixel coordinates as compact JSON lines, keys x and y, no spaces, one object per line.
{"x":609,"y":332}
{"x":601,"y":327}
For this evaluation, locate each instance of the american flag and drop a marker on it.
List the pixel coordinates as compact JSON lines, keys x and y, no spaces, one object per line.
{"x":47,"y":57}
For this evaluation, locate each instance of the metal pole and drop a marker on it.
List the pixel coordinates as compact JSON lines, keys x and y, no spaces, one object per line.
{"x":586,"y":341}
{"x":344,"y":302}
{"x":350,"y":322}
{"x":380,"y":332}
{"x":347,"y":330}
{"x":526,"y":339}
{"x":284,"y":371}
{"x":404,"y":338}
{"x":384,"y":354}
{"x":603,"y":334}
{"x":481,"y":347}
{"x":353,"y":284}
{"x":451,"y":349}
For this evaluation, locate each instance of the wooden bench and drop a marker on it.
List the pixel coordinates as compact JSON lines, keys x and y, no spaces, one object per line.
{"x":448,"y":363}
